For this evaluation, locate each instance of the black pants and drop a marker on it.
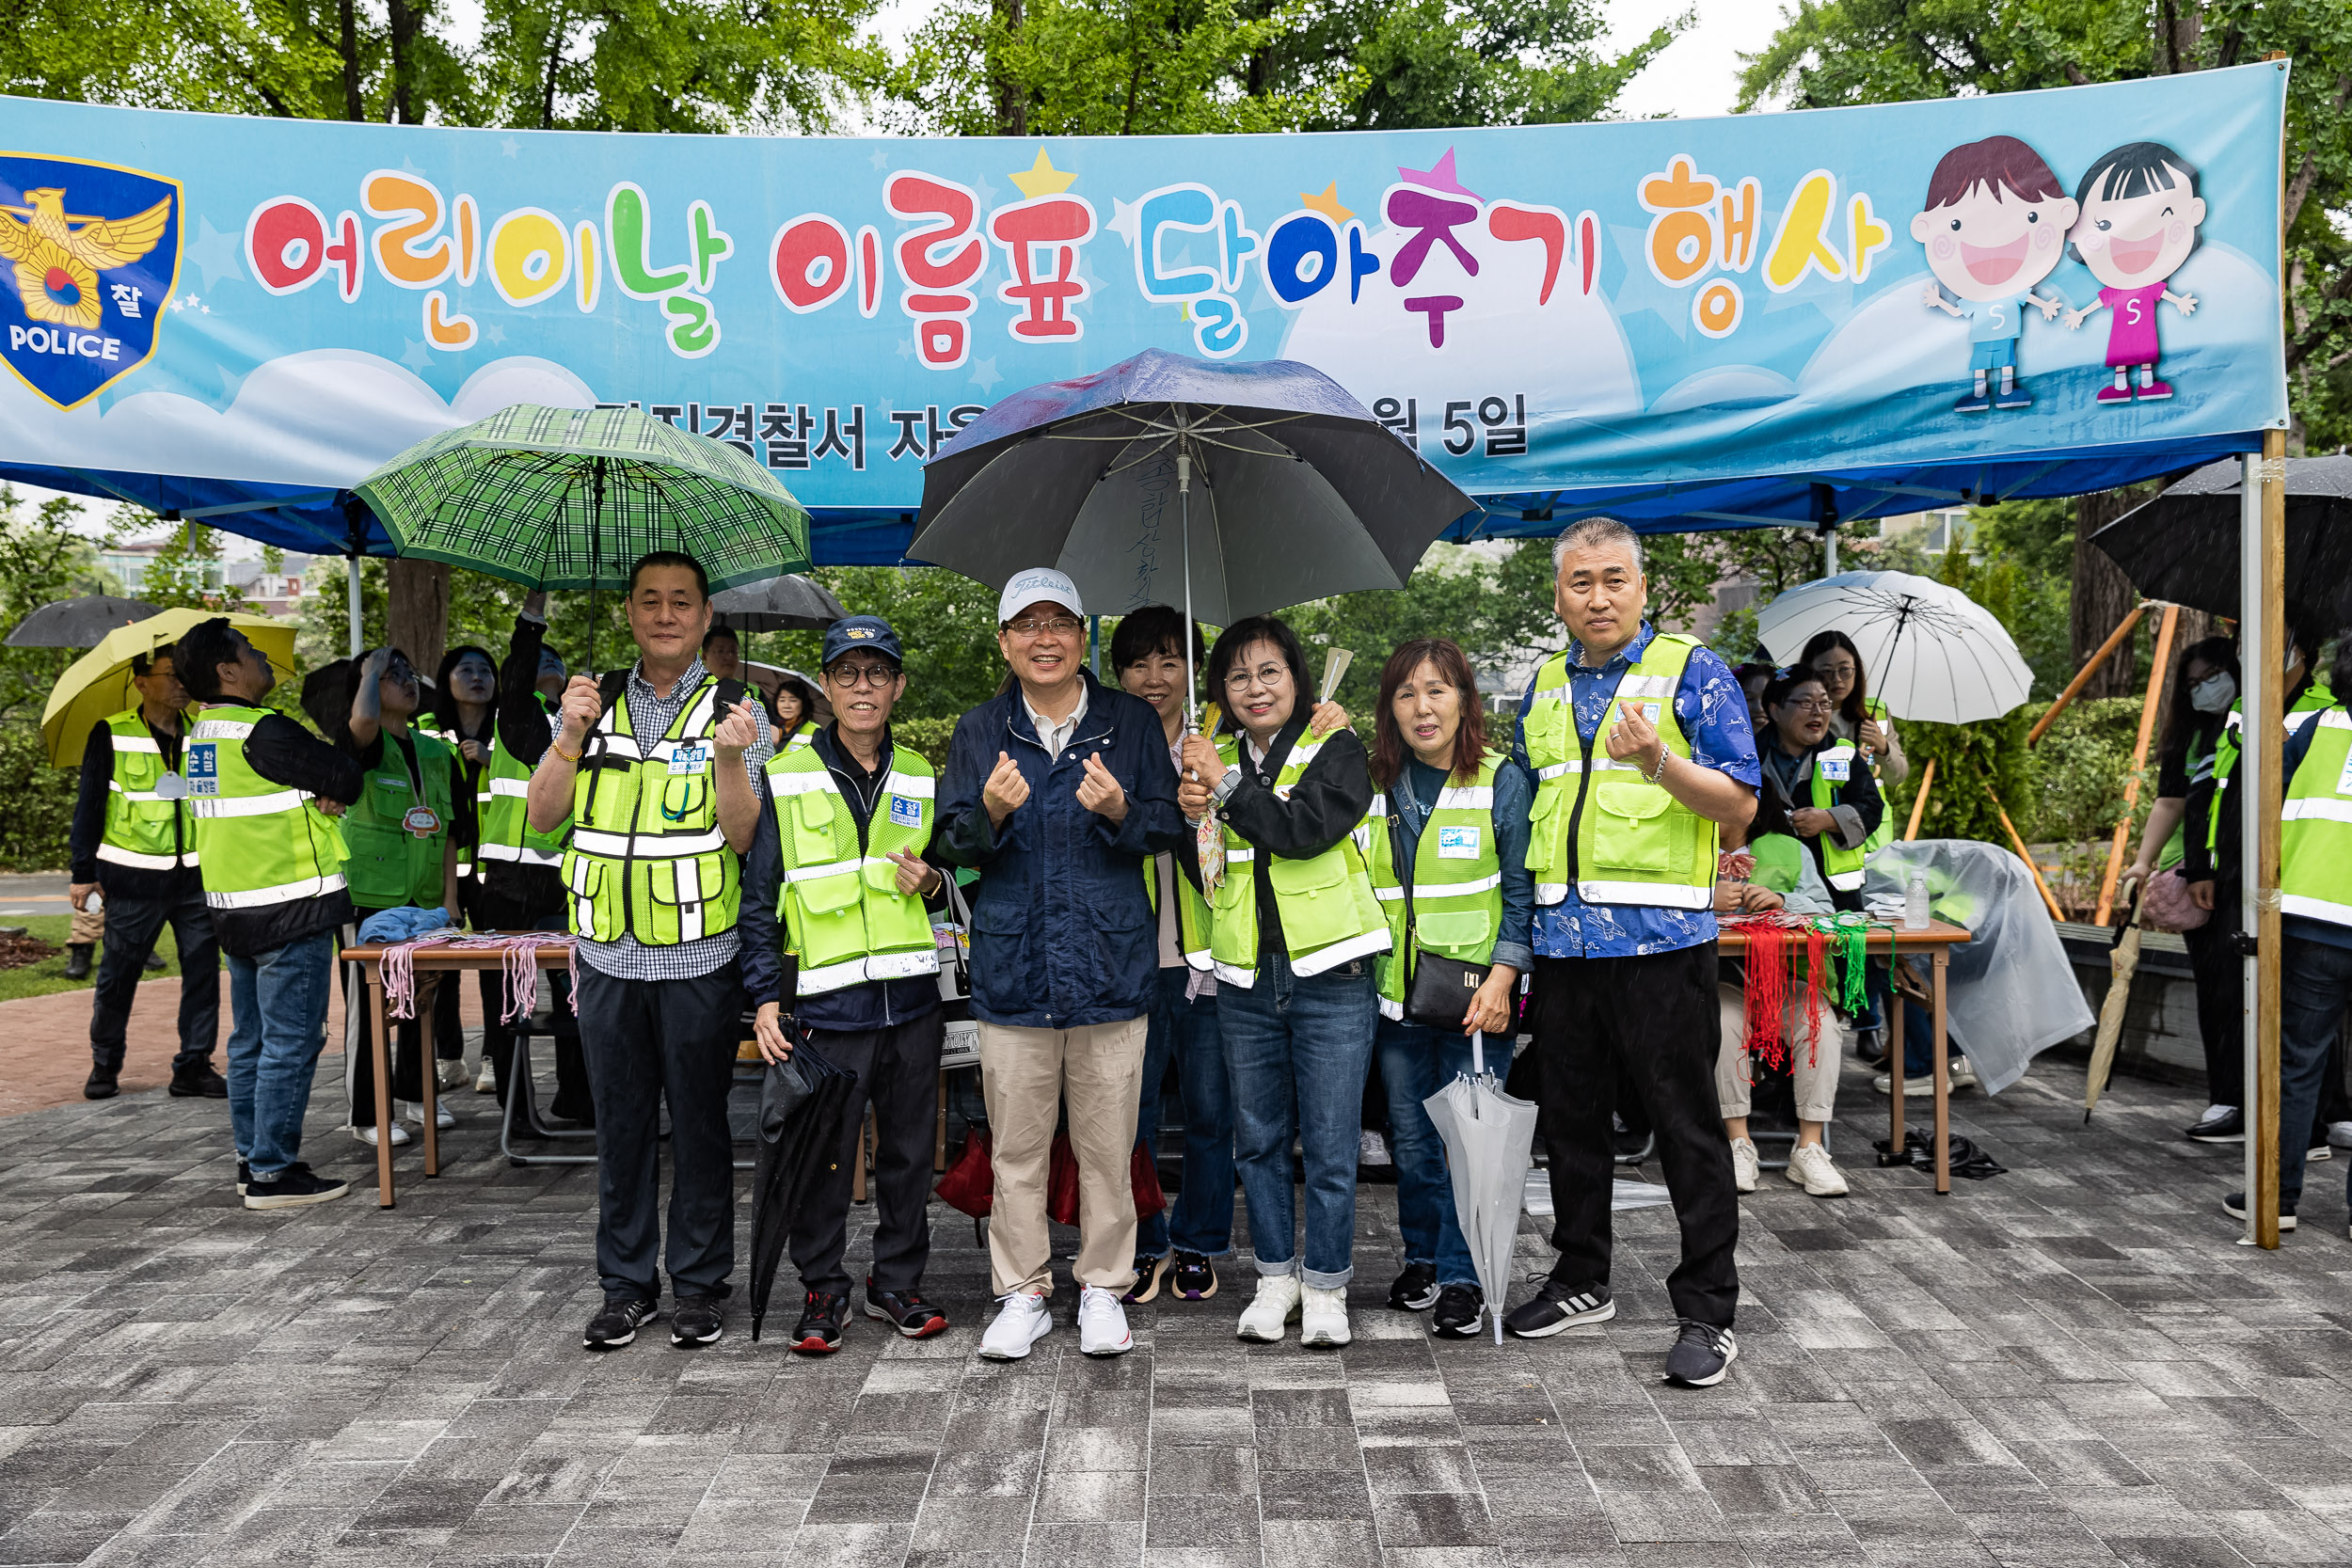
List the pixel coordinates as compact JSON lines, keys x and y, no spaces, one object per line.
{"x":133,"y":925}
{"x":1645,"y":1028}
{"x":647,"y":1042}
{"x":2218,"y":972}
{"x":408,"y":1041}
{"x":491,"y":913}
{"x":898,"y":1071}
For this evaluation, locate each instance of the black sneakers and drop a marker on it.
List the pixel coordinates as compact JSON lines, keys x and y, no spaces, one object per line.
{"x":296,"y":1186}
{"x":245,"y":1177}
{"x":906,"y":1311}
{"x":1460,"y":1308}
{"x":696,"y":1321}
{"x":616,"y":1322}
{"x":1556,"y":1306}
{"x":1192,"y":1278}
{"x":1149,"y":1272}
{"x":2234,"y":1205}
{"x":102,"y":1083}
{"x":1416,"y":1288}
{"x":818,"y":1331}
{"x":1701,"y":1355}
{"x":198,"y":1083}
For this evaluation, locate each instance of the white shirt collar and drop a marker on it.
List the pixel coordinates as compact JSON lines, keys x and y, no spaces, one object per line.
{"x":1050,"y":735}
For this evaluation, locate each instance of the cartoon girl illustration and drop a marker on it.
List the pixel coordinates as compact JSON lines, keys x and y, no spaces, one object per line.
{"x":2140,"y":213}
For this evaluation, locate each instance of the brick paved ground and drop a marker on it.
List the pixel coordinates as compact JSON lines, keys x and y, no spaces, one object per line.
{"x":2070,"y":1364}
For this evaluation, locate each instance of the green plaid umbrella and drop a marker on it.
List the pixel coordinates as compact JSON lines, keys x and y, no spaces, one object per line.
{"x":570,"y":498}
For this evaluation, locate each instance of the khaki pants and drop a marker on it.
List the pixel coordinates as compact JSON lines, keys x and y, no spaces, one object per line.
{"x":89,"y":927}
{"x":1813,"y":1066}
{"x":1025,"y":1076}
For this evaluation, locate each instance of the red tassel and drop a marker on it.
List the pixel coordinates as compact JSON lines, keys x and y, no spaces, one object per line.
{"x":1765,"y":993}
{"x":1816,"y":952}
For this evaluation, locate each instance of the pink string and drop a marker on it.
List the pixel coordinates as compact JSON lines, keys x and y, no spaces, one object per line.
{"x":521,"y":954}
{"x":400,"y":971}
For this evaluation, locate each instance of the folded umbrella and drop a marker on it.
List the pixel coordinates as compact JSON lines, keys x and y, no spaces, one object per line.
{"x":802,"y":1103}
{"x":1489,"y":1137}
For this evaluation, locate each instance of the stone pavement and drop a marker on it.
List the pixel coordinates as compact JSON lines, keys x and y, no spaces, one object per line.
{"x":2069,"y":1364}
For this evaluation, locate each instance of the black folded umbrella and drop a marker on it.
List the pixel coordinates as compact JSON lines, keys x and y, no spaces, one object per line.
{"x":2183,"y":547}
{"x":802,"y":1104}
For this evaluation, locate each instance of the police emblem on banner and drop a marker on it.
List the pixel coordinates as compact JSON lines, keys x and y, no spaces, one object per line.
{"x":89,"y":254}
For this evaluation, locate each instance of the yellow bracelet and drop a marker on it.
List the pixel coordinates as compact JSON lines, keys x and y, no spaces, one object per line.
{"x":572,"y":757}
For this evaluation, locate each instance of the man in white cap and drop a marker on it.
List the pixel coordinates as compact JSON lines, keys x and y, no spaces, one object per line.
{"x":1058,"y":792}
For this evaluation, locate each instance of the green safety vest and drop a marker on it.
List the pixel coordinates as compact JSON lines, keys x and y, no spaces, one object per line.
{"x":258,"y":842}
{"x":1635,"y":843}
{"x":1830,"y":770}
{"x":2316,"y":826}
{"x":2227,"y":746}
{"x":466,"y":852}
{"x":2200,"y":760}
{"x":1884,"y":834}
{"x":143,"y":829}
{"x":391,"y":863}
{"x":842,"y":912}
{"x":503,"y":813}
{"x":1458,"y":881}
{"x":1325,"y":902}
{"x":801,"y":738}
{"x":648,"y":857}
{"x":1779,"y":862}
{"x":1192,"y":915}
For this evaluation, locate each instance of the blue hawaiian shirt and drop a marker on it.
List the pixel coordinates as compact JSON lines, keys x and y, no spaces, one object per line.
{"x":1713,"y":712}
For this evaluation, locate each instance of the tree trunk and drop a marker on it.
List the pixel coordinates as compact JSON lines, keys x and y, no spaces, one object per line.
{"x":1012,"y":102}
{"x":416,"y":621}
{"x":2102,"y":597}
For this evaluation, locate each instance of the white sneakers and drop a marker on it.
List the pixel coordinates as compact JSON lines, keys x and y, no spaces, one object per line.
{"x":1323,"y":1316}
{"x":413,"y":1110}
{"x":366,"y":1135}
{"x":1275,"y":1304}
{"x":1102,"y":1324}
{"x":1964,"y":1077}
{"x":1024,"y":1322}
{"x":1743,"y":1165}
{"x":1809,"y":1166}
{"x":449,"y":1072}
{"x":488,"y":1081}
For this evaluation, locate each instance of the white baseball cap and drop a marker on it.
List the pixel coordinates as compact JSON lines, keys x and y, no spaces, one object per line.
{"x":1038,"y":585}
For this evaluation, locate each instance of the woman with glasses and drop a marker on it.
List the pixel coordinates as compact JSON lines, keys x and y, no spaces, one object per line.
{"x":1855,"y":715}
{"x":1294,"y":929}
{"x":1816,"y":789}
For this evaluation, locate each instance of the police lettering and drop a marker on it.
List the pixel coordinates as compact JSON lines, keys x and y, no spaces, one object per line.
{"x":57,"y":339}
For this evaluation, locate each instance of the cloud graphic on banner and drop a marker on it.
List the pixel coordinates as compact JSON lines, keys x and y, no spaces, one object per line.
{"x":323,"y":416}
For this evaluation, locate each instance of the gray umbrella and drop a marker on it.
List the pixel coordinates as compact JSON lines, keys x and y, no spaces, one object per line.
{"x":792,"y":603}
{"x":1302,"y":493}
{"x":1488,"y":1137}
{"x":2183,"y":547}
{"x":77,"y":623}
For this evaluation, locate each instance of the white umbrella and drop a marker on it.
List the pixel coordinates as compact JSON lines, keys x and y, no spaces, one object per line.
{"x":1489,"y":1136}
{"x":1931,"y":651}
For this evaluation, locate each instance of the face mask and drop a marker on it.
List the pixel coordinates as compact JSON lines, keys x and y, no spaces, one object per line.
{"x":2213,"y":694}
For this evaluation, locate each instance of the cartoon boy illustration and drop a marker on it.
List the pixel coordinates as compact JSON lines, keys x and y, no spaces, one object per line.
{"x":2140,"y":211}
{"x":1994,"y":228}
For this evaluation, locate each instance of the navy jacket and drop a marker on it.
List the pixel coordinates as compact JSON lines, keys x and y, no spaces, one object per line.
{"x":1062,"y":930}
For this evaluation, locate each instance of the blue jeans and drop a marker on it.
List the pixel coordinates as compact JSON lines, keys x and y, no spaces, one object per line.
{"x":1416,"y":1062}
{"x":1297,"y":1052}
{"x":278,"y":1026}
{"x":1201,"y":1217}
{"x":2314,"y":988}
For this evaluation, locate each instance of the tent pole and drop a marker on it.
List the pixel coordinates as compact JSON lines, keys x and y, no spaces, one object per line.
{"x":2097,"y":662}
{"x":2261,"y":644}
{"x":1829,"y":550}
{"x":1919,"y":802}
{"x":2017,"y":842}
{"x":351,"y":583}
{"x":2139,"y":760}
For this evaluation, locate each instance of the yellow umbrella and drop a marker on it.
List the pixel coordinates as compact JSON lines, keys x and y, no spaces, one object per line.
{"x":98,"y":683}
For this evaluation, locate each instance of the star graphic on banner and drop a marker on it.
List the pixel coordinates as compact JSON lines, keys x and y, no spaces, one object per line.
{"x":1437,"y":177}
{"x":880,"y":159}
{"x":1124,"y":219}
{"x":1041,"y":178}
{"x":906,"y":348}
{"x":509,"y":146}
{"x":417,"y":356}
{"x":987,"y":194}
{"x":214,"y":253}
{"x":984,"y":374}
{"x":409,"y":167}
{"x":496,"y":333}
{"x":1327,"y":203}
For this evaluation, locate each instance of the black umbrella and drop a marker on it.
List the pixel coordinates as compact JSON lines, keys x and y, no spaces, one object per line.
{"x":802,"y":1104}
{"x":77,"y":623}
{"x":792,"y":603}
{"x":2183,"y":547}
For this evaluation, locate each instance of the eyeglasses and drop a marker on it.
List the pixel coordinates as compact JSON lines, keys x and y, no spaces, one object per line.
{"x":851,"y":676}
{"x":1236,"y":680}
{"x":1060,"y":626}
{"x":1811,"y":705}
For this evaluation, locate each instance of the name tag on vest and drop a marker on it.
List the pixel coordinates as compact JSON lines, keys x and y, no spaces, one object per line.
{"x":905,"y":812}
{"x":689,"y":759}
{"x":205,"y":768}
{"x":1838,"y":770}
{"x":1457,"y":843}
{"x":2343,"y":781}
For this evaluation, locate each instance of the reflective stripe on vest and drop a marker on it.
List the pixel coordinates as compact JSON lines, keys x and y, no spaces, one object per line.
{"x":2316,"y":698}
{"x":1841,"y":866}
{"x":1458,"y":883}
{"x":1634,"y":842}
{"x":2316,"y":831}
{"x":648,"y":856}
{"x":257,"y":843}
{"x":1328,"y":913}
{"x":503,"y":814}
{"x":841,"y":908}
{"x":1192,"y":916}
{"x":142,"y":829}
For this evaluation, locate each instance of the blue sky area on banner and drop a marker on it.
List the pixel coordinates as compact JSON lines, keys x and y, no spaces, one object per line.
{"x":1793,"y":318}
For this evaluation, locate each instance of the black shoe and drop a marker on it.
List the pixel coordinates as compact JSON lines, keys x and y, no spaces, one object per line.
{"x":818,"y":1331}
{"x":2234,"y":1205}
{"x":155,"y":960}
{"x":1416,"y":1288}
{"x":200,"y":1083}
{"x":1701,"y":1355}
{"x":696,"y":1321}
{"x":906,"y":1311}
{"x":2225,"y":1126}
{"x":245,"y":1177}
{"x":1460,"y":1309}
{"x":1871,"y":1045}
{"x":1148,"y":1273}
{"x":296,"y":1187}
{"x":77,"y":968}
{"x":1192,"y":1278}
{"x":616,"y":1322}
{"x":102,"y":1083}
{"x":1556,"y":1306}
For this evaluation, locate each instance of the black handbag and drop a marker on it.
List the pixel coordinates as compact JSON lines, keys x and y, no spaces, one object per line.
{"x":1436,"y":994}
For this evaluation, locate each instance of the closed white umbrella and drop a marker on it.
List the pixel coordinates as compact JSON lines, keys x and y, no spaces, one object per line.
{"x":1488,"y":1137}
{"x":1931,"y":651}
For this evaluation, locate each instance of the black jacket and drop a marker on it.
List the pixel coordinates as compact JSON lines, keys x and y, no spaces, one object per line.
{"x":1328,"y":801}
{"x":524,"y":729}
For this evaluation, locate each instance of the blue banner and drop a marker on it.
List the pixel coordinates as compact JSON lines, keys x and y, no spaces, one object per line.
{"x":283,"y":305}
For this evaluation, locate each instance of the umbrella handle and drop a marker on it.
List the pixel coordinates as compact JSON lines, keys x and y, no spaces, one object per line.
{"x":1478,"y":1053}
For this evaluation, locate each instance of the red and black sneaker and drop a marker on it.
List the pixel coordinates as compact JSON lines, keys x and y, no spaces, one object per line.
{"x":818,"y":1331}
{"x":906,"y":1311}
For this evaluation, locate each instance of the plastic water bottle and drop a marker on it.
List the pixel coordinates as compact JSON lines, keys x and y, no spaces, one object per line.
{"x":1915,"y":903}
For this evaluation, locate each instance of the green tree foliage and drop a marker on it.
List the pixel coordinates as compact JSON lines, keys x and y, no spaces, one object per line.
{"x":42,"y":559}
{"x":186,"y":573}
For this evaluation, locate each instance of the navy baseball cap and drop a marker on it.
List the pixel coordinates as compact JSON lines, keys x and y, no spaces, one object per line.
{"x":861,"y":631}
